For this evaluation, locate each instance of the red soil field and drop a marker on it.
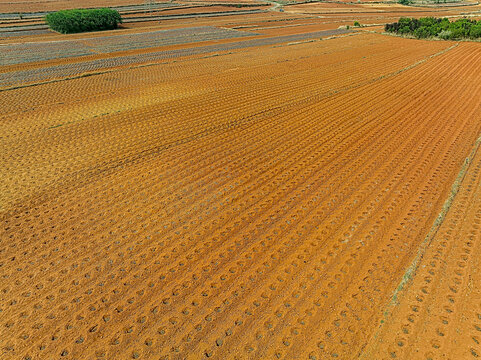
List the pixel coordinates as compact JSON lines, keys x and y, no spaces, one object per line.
{"x":438,"y":314}
{"x":287,"y":29}
{"x":252,"y":203}
{"x":54,"y":5}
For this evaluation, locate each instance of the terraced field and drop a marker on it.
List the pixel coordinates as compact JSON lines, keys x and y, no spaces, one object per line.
{"x":256,"y":198}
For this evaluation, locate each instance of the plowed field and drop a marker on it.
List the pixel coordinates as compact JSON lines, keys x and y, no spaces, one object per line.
{"x":438,"y":313}
{"x":259,"y":202}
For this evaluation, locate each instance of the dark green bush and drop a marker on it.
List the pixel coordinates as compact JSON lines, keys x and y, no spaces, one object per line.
{"x":422,"y":32}
{"x":433,"y":27}
{"x":475,"y":31}
{"x":82,"y":20}
{"x":405,"y":30}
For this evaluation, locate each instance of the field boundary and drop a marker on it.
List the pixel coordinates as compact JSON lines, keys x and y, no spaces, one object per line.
{"x":410,"y":271}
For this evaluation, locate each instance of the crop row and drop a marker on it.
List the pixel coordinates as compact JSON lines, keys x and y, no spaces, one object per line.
{"x":444,"y":293}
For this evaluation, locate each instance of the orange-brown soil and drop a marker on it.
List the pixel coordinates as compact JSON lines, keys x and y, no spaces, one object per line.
{"x":437,"y":315}
{"x":256,"y":203}
{"x":276,"y":30}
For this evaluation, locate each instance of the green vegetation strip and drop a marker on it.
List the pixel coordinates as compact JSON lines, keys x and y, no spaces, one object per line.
{"x":441,"y":28}
{"x":83,"y":20}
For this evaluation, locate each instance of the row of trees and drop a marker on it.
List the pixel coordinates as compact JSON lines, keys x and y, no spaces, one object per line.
{"x":434,"y":27}
{"x":81,"y":20}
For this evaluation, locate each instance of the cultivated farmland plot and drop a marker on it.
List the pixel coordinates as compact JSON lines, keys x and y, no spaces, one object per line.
{"x":242,"y":198}
{"x":23,"y":53}
{"x":8,"y":34}
{"x":56,"y":71}
{"x":443,"y":295}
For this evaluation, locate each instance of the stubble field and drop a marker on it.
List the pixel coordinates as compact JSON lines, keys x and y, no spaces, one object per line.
{"x":252,"y":197}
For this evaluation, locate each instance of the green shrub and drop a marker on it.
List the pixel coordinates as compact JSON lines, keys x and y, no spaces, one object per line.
{"x":432,"y":27}
{"x":475,"y":31}
{"x":82,"y":20}
{"x":446,"y":35}
{"x":422,"y":32}
{"x":405,"y":30}
{"x":356,"y":23}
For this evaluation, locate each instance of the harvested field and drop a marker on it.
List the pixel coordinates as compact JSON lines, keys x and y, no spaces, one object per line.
{"x":239,"y":188}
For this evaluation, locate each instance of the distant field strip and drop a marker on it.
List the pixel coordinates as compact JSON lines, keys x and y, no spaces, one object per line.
{"x":66,"y":70}
{"x":41,"y":14}
{"x":194,"y":15}
{"x":10,"y":34}
{"x":40,"y":51}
